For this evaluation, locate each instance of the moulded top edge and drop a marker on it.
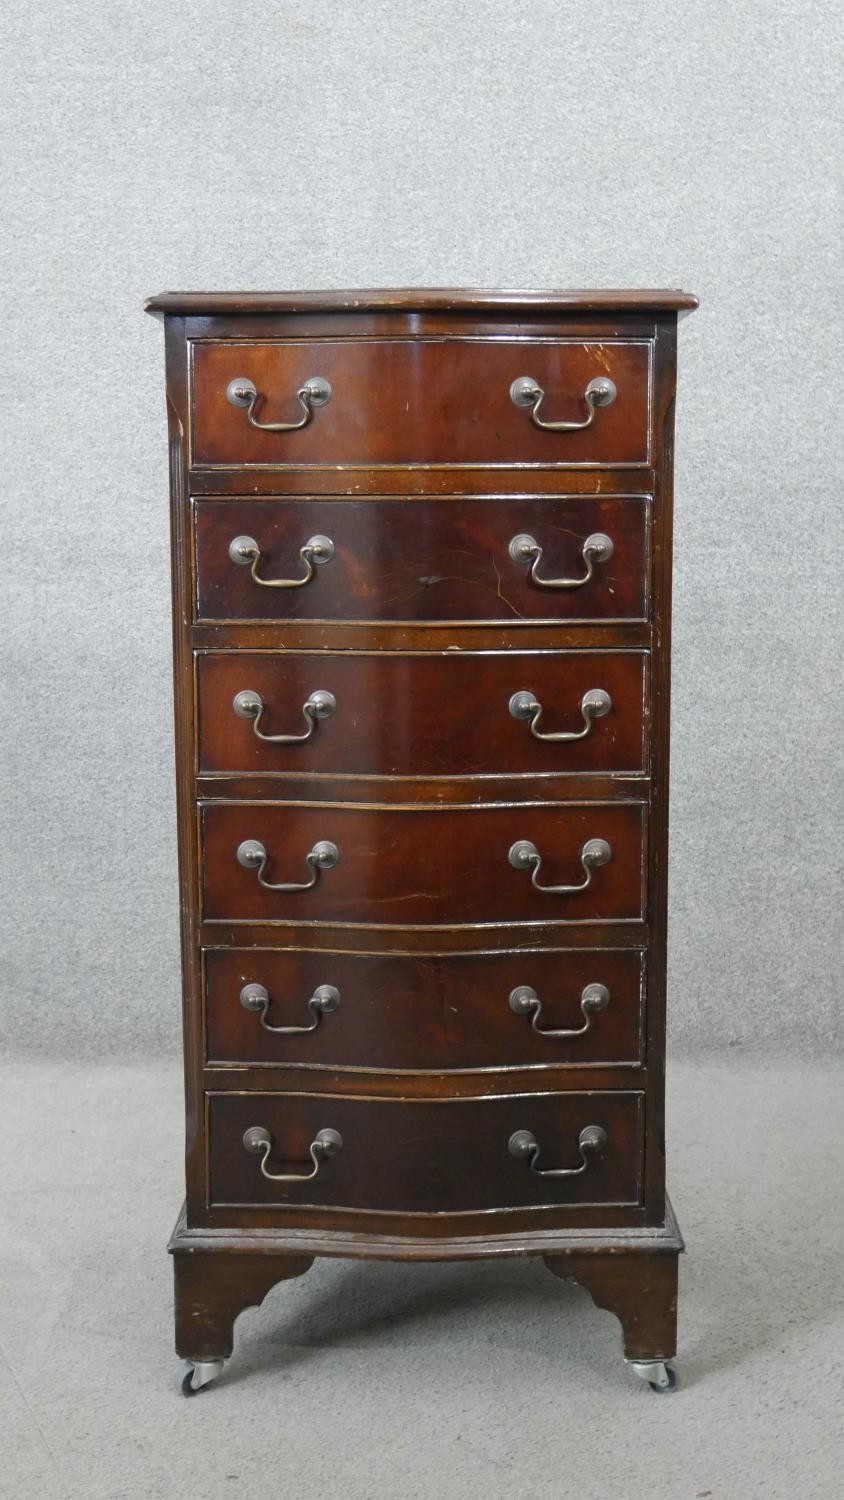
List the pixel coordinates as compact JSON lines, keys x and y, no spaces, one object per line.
{"x":422,"y":299}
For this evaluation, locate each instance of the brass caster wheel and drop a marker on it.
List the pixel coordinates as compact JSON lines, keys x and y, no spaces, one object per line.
{"x":657,"y":1373}
{"x":201,"y":1374}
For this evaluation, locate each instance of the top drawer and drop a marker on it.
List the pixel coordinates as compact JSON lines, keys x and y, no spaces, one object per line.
{"x":421,"y":402}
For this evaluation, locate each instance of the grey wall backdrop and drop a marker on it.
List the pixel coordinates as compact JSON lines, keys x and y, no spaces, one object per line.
{"x":273,"y":144}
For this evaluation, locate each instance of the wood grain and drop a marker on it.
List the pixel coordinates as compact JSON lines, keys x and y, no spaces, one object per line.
{"x":428,"y":299}
{"x":400,"y":1012}
{"x":416,"y":401}
{"x":419,"y":715}
{"x":424,"y":560}
{"x":422,"y":866}
{"x":431,"y":1156}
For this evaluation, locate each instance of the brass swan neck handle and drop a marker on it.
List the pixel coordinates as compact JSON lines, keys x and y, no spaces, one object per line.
{"x":593,"y":705}
{"x":523,"y":855}
{"x":524,"y":1001}
{"x":525,"y":1147}
{"x":248,"y":704}
{"x":527,"y":392}
{"x":259,"y":1142}
{"x":252,"y":855}
{"x":524,"y":548}
{"x":314,"y":553}
{"x":315,"y":392}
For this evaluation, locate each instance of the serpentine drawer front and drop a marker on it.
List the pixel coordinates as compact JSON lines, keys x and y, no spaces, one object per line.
{"x":421,"y":580}
{"x":429,"y":1156}
{"x":412,"y":401}
{"x":429,"y":560}
{"x":307,"y":1008}
{"x":455,"y":714}
{"x":440,"y":867}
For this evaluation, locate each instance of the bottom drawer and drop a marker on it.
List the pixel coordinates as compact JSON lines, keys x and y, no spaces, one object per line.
{"x":425,"y":1156}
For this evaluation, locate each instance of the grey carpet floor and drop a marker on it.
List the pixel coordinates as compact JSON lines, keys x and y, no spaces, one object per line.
{"x":386,"y":1382}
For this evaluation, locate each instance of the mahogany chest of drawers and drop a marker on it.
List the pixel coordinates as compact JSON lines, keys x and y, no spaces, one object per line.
{"x":421,"y":585}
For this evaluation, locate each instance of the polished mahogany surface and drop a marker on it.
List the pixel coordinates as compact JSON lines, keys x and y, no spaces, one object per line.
{"x":425,"y":867}
{"x":415,"y":714}
{"x":415,"y":401}
{"x":458,"y":986}
{"x":400,"y":1012}
{"x":472,"y":300}
{"x":431,"y":1156}
{"x":427,"y":560}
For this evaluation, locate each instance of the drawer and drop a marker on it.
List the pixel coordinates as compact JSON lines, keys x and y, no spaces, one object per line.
{"x":436,"y":866}
{"x":429,"y":560}
{"x":422,"y":714}
{"x":416,"y":401}
{"x":423,"y":1012}
{"x":425,"y":1156}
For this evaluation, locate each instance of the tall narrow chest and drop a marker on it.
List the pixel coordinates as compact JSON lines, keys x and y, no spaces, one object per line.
{"x":421,"y":591}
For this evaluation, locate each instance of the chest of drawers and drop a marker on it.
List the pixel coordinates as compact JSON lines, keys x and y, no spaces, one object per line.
{"x":421,"y":585}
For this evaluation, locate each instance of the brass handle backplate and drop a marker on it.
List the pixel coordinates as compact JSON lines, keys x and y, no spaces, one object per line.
{"x":523,"y":855}
{"x":524,"y":1146}
{"x":325,"y":1143}
{"x":528,"y":392}
{"x":324,"y":1000}
{"x":315,"y":392}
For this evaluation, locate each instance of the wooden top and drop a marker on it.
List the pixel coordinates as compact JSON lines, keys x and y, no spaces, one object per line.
{"x":431,"y":299}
